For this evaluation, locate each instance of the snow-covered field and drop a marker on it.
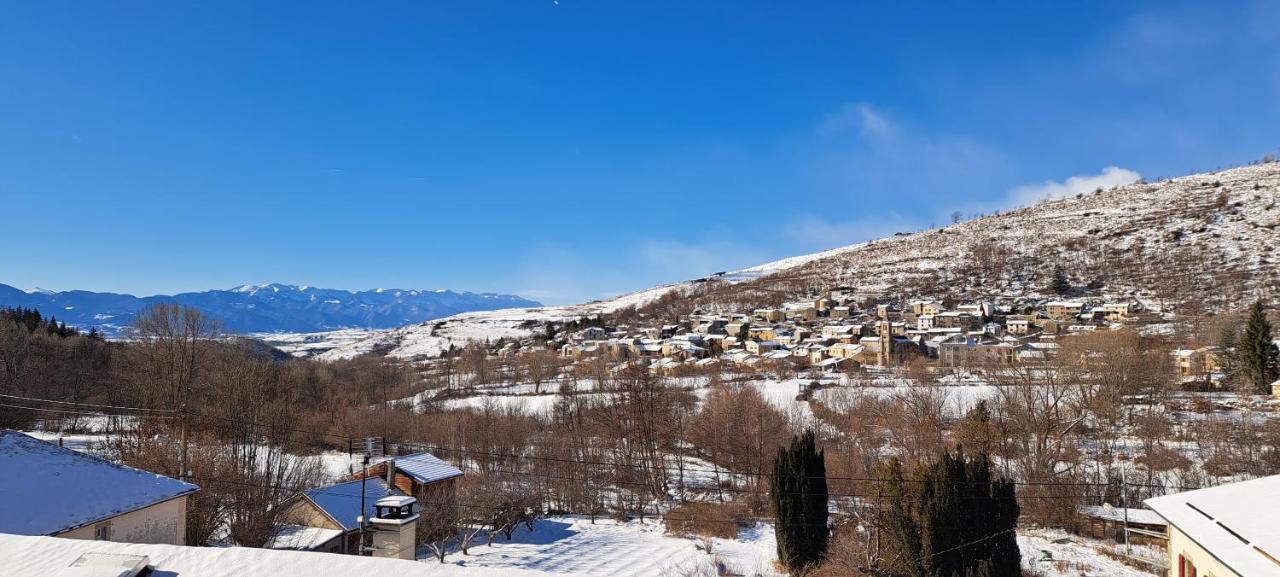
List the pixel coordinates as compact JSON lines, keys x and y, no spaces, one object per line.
{"x":575,"y":546}
{"x":571,"y":545}
{"x":1057,"y":554}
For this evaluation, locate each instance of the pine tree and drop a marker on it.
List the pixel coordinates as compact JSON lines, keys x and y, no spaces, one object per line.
{"x":799,"y":495}
{"x":1060,"y":284}
{"x":1259,"y":358}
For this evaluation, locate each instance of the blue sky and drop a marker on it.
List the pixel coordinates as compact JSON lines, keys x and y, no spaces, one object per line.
{"x":568,"y":152}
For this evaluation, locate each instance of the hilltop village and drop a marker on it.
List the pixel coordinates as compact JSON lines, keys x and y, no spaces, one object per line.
{"x":840,"y":331}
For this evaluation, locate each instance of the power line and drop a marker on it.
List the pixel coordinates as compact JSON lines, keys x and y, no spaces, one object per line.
{"x":90,"y":413}
{"x":78,"y":404}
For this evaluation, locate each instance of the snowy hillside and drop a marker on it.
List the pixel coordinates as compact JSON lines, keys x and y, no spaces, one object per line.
{"x":267,"y":308}
{"x":1205,"y":236}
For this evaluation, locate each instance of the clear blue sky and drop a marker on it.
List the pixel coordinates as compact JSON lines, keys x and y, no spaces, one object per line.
{"x":567,"y":152}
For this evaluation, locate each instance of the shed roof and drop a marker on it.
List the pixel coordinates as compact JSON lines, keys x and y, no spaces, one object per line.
{"x":426,"y":468}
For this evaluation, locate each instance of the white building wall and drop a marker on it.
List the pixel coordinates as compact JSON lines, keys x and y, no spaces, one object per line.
{"x":163,"y":523}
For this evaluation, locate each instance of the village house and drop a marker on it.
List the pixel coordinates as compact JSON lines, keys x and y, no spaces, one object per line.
{"x":1063,"y":310}
{"x":960,"y":351}
{"x":920,"y":308}
{"x":769,"y":315}
{"x":1199,"y":363}
{"x":956,"y":319}
{"x":1116,"y":311}
{"x":1220,"y":531}
{"x":760,"y":347}
{"x":844,"y":333}
{"x":1019,"y":326}
{"x":54,"y":491}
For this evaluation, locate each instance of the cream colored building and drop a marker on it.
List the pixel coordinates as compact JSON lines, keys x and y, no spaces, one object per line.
{"x":50,"y":490}
{"x":1230,"y":530}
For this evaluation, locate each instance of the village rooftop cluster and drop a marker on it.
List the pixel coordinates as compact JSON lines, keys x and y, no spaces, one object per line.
{"x":833,"y":333}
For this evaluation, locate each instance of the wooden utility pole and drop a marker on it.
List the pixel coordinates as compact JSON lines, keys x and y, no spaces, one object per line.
{"x":363,"y":476}
{"x":182,"y":436}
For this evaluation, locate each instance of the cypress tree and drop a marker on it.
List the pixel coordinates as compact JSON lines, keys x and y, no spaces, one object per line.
{"x":1259,"y":358}
{"x":1006,"y":559}
{"x":955,"y":522}
{"x":799,"y":495}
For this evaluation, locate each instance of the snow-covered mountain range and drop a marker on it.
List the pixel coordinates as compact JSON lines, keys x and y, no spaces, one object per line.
{"x":1205,"y":238}
{"x":267,"y":308}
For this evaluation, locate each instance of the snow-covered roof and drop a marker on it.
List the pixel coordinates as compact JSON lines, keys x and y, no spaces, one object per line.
{"x":426,"y":468}
{"x":88,"y":489}
{"x":22,"y":556}
{"x":341,"y":502}
{"x":301,"y":537}
{"x":1119,"y":515}
{"x":1226,"y":521}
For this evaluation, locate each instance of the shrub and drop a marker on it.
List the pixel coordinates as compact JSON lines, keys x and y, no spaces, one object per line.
{"x":705,"y":520}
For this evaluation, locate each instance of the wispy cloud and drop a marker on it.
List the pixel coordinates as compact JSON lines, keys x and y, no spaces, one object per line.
{"x":1109,"y":177}
{"x":857,"y":117}
{"x":863,"y":150}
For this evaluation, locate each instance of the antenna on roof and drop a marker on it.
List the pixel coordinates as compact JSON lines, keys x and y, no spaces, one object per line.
{"x":369,"y":446}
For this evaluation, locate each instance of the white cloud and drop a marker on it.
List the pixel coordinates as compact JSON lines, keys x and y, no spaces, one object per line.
{"x":858,"y":116}
{"x":1110,"y":176}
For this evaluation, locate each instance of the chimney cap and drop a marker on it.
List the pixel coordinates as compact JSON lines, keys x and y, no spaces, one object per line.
{"x":395,"y":501}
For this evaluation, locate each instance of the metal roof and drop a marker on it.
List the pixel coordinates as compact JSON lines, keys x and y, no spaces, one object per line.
{"x":426,"y":468}
{"x":341,"y":502}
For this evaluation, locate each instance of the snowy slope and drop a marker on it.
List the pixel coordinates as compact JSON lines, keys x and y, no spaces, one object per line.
{"x":1206,"y":236}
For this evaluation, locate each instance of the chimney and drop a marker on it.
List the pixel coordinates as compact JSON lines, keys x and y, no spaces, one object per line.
{"x":391,"y":473}
{"x":395,"y":524}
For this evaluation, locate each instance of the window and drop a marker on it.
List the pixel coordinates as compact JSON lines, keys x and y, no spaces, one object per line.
{"x":102,"y":532}
{"x":1185,"y":567}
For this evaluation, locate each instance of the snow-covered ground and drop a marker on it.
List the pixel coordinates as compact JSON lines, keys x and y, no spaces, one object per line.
{"x":1055,"y":553}
{"x":570,"y":545}
{"x":573,"y":545}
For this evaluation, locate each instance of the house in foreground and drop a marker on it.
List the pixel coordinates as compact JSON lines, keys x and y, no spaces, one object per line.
{"x":49,"y":490}
{"x":328,"y":518}
{"x":1224,"y":531}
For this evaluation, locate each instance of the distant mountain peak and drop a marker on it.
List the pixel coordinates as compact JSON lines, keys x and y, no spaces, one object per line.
{"x":273,"y":307}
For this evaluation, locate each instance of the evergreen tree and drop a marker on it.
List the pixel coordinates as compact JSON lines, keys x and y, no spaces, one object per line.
{"x":1060,"y":284}
{"x":955,"y":522}
{"x":799,"y":495}
{"x":1259,"y":358}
